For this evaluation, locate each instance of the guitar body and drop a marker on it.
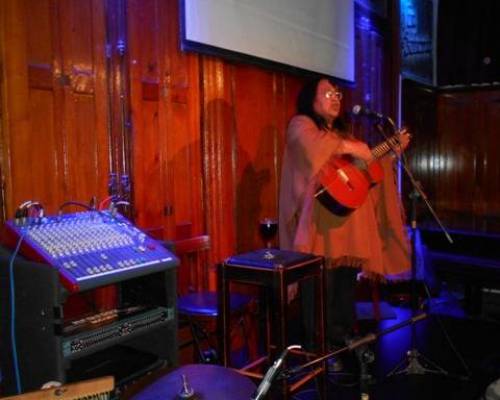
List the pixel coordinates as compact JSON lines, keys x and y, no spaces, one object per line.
{"x":344,"y":186}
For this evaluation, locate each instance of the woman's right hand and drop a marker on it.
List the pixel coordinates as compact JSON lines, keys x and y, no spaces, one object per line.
{"x":358,"y":149}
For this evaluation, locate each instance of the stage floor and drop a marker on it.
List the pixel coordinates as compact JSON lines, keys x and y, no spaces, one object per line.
{"x":465,"y":348}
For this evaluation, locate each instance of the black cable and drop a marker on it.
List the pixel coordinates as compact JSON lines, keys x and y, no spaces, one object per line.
{"x":15,"y":359}
{"x":74,"y":203}
{"x":446,"y":335}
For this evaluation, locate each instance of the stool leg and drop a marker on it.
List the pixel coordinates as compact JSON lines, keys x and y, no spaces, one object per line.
{"x":196,"y":340}
{"x":375,"y":300}
{"x":223,"y":315}
{"x":198,"y":333}
{"x":245,"y":337}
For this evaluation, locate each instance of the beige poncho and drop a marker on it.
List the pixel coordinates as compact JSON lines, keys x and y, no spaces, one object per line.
{"x":372,"y":237}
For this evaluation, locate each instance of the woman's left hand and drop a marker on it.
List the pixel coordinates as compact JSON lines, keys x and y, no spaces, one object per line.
{"x":404,"y":138}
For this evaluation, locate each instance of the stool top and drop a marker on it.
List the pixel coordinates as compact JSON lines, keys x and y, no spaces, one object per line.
{"x":270,"y":258}
{"x":209,"y":382}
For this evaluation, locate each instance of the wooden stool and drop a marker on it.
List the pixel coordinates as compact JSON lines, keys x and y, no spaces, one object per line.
{"x":273,"y":270}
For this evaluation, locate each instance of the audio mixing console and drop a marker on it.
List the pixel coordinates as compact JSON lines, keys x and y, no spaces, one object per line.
{"x":90,"y":249}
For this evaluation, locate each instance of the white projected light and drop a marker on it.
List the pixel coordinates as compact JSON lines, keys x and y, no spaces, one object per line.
{"x":314,"y":35}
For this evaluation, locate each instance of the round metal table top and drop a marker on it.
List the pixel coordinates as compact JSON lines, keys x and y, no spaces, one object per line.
{"x":209,"y":382}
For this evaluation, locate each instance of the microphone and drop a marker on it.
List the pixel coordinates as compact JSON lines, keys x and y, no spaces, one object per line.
{"x":358,"y":110}
{"x":265,"y":385}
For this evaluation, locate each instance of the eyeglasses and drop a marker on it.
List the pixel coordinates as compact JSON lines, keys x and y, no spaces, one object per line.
{"x":333,"y":95}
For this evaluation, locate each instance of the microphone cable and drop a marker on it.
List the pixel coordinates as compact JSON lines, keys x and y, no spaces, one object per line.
{"x":15,"y":359}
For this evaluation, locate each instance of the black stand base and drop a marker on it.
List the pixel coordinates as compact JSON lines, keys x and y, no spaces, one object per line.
{"x":417,"y":364}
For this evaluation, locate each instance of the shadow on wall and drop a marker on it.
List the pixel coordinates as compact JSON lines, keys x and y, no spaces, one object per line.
{"x":255,"y":196}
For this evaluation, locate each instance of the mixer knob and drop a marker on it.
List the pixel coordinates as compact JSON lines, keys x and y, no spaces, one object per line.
{"x":76,"y":345}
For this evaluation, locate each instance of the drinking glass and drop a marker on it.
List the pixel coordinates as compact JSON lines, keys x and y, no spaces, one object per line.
{"x":268,"y":228}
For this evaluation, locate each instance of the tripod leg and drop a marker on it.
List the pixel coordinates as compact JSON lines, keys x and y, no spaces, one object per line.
{"x":436,"y":367}
{"x":397,"y":369}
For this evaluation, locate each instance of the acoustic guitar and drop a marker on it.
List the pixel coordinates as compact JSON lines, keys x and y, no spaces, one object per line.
{"x":345,"y":182}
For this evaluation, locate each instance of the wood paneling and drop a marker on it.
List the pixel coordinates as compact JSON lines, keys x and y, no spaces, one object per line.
{"x":164,"y":93}
{"x":246,"y":110}
{"x":489,"y":138}
{"x":148,"y":113}
{"x":218,"y":151}
{"x":376,"y":87}
{"x":467,"y":165}
{"x":202,"y":137}
{"x":54,"y":126}
{"x":256,"y":107}
{"x":455,"y":154}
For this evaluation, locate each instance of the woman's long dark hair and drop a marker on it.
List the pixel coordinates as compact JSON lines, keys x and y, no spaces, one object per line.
{"x":305,"y":106}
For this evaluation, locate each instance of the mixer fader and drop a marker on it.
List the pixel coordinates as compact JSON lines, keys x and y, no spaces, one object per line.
{"x":91,"y":249}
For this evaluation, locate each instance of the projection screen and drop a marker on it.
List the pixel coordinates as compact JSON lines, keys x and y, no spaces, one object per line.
{"x":311,"y":35}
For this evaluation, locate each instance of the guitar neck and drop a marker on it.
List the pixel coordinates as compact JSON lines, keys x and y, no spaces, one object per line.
{"x":383,"y":148}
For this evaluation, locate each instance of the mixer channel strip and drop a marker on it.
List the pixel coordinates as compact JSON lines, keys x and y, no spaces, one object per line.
{"x":92,"y":340}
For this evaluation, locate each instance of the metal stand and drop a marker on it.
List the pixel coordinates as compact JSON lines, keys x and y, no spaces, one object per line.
{"x":415,"y":362}
{"x":414,"y":359}
{"x":271,"y":373}
{"x":371,"y":337}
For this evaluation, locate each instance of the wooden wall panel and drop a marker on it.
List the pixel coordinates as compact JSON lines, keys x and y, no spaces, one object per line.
{"x":419,"y":106}
{"x":39,"y":153}
{"x":219,"y":143}
{"x":167,"y":170}
{"x":255,"y":111}
{"x":455,"y":163}
{"x":182,"y":82}
{"x":489,"y":137}
{"x":469,"y":138}
{"x":27,"y":108}
{"x":85,"y":112}
{"x":55,"y":100}
{"x":148,"y":113}
{"x":245,"y":113}
{"x":455,"y":142}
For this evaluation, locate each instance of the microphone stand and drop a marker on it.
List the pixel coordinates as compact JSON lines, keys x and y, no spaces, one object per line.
{"x":371,"y":337}
{"x":413,"y":356}
{"x":271,"y":373}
